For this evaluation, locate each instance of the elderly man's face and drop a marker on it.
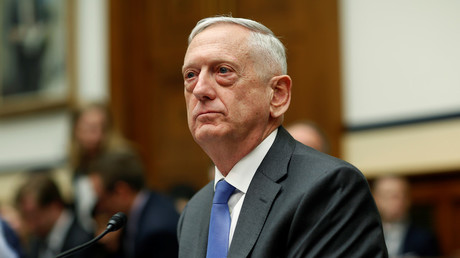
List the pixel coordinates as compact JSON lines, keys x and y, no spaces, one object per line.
{"x":225,"y":97}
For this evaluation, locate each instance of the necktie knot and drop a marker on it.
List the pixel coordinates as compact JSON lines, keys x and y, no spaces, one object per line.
{"x":223,"y":192}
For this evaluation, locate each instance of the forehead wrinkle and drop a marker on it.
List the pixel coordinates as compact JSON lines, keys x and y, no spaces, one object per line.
{"x":215,"y":42}
{"x":211,"y":56}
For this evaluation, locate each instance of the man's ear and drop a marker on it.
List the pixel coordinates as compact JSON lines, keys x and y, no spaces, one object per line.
{"x":281,"y":95}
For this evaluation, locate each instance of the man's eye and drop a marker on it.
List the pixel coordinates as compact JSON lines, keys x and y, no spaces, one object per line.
{"x":223,"y":70}
{"x":190,"y":75}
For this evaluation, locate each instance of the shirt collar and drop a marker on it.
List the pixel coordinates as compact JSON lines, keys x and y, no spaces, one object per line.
{"x":56,"y":237}
{"x":136,"y":208}
{"x":241,"y":174}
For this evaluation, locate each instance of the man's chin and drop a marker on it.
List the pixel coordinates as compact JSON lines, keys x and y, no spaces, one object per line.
{"x":206,"y":133}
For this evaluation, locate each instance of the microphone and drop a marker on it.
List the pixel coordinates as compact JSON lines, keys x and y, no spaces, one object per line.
{"x":116,"y":222}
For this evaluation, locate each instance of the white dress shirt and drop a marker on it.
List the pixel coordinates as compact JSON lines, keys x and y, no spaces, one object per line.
{"x":240,"y":176}
{"x":394,"y":237}
{"x":56,"y":237}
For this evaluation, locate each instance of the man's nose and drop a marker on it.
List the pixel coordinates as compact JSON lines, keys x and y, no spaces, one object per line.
{"x":204,"y":88}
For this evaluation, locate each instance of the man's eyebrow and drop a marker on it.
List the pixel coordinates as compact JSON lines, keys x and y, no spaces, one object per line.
{"x":185,"y":66}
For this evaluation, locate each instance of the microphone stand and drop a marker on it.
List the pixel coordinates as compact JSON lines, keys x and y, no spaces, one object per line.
{"x":115,"y":223}
{"x":83,"y":246}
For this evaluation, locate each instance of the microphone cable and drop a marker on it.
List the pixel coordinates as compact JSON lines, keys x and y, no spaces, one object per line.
{"x":115,"y":223}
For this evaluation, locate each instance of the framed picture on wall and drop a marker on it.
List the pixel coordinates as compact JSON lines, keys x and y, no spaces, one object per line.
{"x":35,"y":55}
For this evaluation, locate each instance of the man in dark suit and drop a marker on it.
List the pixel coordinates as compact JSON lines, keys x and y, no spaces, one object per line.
{"x":53,"y":227}
{"x":290,"y":200}
{"x":119,"y":183}
{"x":403,"y":238}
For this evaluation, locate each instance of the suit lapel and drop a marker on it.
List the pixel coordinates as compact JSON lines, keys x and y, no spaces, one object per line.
{"x":202,"y":224}
{"x":256,"y":206}
{"x":261,"y":194}
{"x":194,"y":224}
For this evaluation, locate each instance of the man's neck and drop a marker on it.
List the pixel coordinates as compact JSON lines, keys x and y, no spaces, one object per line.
{"x":226,"y":155}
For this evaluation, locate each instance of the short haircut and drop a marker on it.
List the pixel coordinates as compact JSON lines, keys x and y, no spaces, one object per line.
{"x":325,"y":143}
{"x":375,"y":182}
{"x":42,"y":188}
{"x":119,"y":166}
{"x":263,"y":41}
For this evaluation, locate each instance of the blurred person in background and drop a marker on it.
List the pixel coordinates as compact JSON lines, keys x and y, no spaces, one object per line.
{"x":310,"y":134}
{"x":118,"y":178}
{"x":11,"y":216}
{"x":402,"y":237}
{"x":51,"y":225}
{"x":93,"y":134}
{"x":10,"y":245}
{"x":181,"y":194}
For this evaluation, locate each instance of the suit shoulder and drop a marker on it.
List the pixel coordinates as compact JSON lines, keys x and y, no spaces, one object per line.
{"x":162,"y":209}
{"x":313,"y":163}
{"x":202,"y":195}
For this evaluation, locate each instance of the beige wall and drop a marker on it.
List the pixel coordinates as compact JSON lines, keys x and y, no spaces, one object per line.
{"x":420,"y":148}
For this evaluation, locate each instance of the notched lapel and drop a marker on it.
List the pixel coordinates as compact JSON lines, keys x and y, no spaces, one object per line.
{"x":261,"y":194}
{"x":256,"y":206}
{"x":194,"y":231}
{"x":204,"y":222}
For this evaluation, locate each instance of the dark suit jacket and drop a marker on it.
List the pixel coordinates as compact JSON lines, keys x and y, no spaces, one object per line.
{"x":156,"y":229}
{"x":11,"y":238}
{"x":75,"y":236}
{"x":419,"y":242}
{"x":300,"y":203}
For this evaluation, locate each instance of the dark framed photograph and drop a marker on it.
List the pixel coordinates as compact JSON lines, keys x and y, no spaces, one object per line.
{"x":36,"y":53}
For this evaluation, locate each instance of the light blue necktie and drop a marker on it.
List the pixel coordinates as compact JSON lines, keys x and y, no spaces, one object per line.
{"x":219,"y":225}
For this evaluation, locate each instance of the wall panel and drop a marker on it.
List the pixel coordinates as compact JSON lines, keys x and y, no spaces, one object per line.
{"x":148,"y":39}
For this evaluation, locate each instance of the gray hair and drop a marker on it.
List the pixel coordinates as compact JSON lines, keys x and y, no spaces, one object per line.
{"x":262,"y":39}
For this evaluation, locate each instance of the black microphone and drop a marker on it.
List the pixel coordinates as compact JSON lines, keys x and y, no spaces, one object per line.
{"x":116,"y":222}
